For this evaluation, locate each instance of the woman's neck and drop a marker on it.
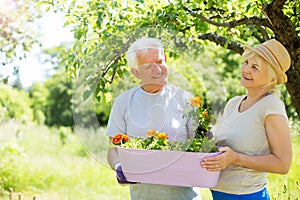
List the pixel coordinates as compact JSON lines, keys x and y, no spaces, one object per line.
{"x":256,"y":95}
{"x":251,"y":99}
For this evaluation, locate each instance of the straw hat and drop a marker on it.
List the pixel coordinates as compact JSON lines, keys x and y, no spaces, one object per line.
{"x":275,"y":54}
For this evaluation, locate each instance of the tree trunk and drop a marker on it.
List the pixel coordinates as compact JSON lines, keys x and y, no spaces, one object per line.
{"x":285,"y":32}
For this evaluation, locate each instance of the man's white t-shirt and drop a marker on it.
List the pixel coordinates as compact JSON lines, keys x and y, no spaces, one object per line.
{"x":135,"y":112}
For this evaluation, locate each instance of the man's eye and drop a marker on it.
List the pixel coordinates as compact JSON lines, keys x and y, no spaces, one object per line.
{"x":146,"y":66}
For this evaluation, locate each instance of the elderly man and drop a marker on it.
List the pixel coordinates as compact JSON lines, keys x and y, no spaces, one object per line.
{"x":154,"y":104}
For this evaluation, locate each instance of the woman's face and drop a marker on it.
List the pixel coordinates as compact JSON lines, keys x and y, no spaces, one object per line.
{"x":255,"y":73}
{"x":152,"y":70}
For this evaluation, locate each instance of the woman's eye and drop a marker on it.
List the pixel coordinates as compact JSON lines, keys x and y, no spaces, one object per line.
{"x":254,"y":67}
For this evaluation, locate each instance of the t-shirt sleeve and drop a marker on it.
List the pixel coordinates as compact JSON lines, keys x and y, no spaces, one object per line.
{"x":274,"y":106}
{"x":116,"y":122}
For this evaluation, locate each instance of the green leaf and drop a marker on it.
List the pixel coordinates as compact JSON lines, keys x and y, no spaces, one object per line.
{"x":86,"y":94}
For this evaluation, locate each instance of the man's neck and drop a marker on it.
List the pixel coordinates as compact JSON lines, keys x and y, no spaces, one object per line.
{"x":152,"y":88}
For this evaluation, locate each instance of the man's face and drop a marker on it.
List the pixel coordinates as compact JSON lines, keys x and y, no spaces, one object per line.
{"x":152,"y":70}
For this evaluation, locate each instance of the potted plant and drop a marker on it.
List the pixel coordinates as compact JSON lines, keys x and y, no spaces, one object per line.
{"x":154,"y":159}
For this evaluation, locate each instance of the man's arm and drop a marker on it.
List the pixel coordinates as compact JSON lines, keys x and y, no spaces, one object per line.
{"x":112,"y":155}
{"x":114,"y":163}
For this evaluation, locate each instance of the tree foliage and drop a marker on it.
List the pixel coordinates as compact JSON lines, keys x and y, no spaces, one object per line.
{"x":38,"y":94}
{"x":58,"y":107}
{"x":53,"y":104}
{"x":14,"y":104}
{"x":16,"y":34}
{"x":104,"y":30}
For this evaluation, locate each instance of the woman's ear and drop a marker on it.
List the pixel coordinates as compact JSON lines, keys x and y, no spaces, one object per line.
{"x":135,"y":72}
{"x":273,"y":81}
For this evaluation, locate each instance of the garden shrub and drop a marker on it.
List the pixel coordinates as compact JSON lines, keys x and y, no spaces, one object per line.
{"x":14,"y":104}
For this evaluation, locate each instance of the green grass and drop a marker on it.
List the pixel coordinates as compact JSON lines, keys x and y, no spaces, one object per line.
{"x":40,"y":165}
{"x":287,"y":187}
{"x":34,"y":161}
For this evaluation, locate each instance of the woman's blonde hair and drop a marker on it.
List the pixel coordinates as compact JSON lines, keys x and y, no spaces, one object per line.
{"x":272,"y":74}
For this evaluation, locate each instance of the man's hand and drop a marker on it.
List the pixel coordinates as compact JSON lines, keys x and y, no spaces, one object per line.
{"x":120,"y":176}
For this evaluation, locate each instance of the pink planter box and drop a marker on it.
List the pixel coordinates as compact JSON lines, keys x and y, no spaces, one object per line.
{"x":167,"y":167}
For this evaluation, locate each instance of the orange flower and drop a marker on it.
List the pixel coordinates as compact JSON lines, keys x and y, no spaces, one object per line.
{"x":195,"y":101}
{"x":151,"y":133}
{"x":205,"y":113}
{"x":120,"y":138}
{"x":125,"y":138}
{"x":117,"y":139}
{"x":162,"y":135}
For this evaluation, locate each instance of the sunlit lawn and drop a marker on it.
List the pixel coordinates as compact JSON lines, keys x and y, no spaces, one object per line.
{"x":47,"y":168}
{"x":53,"y":171}
{"x":287,"y":187}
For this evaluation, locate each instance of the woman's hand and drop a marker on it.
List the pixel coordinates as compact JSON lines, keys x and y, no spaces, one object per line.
{"x":222,"y":161}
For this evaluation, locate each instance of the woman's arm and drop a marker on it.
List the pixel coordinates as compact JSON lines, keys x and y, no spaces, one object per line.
{"x":278,"y":161}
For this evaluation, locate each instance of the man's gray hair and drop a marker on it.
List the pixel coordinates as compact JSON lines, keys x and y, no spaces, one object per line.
{"x":142,"y":45}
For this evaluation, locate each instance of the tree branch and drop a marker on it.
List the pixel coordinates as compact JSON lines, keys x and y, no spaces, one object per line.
{"x":278,"y":4}
{"x":253,"y":20}
{"x":211,"y":9}
{"x":118,"y":54}
{"x":234,"y":46}
{"x":282,"y":26}
{"x":264,"y":34}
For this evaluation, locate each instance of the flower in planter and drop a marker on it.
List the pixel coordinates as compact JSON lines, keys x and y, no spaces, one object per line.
{"x":154,"y":141}
{"x":201,"y":116}
{"x":159,"y":141}
{"x":120,"y":139}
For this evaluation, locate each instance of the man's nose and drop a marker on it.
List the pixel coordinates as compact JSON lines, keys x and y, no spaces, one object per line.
{"x":156,"y":67}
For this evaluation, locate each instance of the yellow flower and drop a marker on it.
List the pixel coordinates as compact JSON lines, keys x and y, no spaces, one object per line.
{"x":162,"y":135}
{"x":195,"y":101}
{"x":151,"y":133}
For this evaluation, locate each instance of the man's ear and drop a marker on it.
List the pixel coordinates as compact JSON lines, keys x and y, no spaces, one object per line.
{"x":135,"y":72}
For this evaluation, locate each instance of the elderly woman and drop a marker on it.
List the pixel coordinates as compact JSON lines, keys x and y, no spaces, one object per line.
{"x":254,"y":130}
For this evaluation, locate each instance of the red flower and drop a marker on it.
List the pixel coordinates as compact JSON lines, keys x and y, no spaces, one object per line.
{"x":120,"y":138}
{"x":117,"y":139}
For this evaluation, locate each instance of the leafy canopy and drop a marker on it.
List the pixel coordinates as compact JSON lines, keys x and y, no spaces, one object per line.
{"x":104,"y":30}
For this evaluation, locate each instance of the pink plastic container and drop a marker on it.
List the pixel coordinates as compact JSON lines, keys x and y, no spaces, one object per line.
{"x":167,"y":167}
